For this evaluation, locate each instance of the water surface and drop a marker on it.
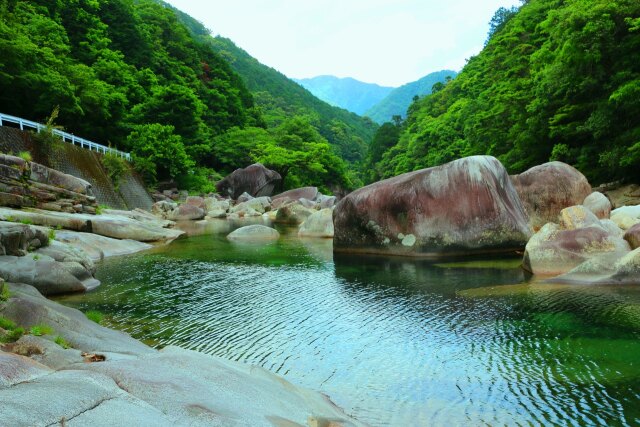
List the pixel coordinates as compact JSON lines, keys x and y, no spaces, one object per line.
{"x":392,"y":341}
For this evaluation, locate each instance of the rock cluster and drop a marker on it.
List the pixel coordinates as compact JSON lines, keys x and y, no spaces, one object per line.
{"x":29,"y":184}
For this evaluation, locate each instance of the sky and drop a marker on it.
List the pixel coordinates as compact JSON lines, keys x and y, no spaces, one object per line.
{"x":388,"y":42}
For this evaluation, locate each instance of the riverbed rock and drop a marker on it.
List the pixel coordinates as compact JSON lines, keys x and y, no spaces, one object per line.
{"x":255,"y":180}
{"x":579,"y":216}
{"x":293,"y":213}
{"x":553,"y":251}
{"x":244,"y":197}
{"x":598,"y":203}
{"x":47,"y":275}
{"x":186,"y":212}
{"x":64,"y":252}
{"x":211,"y":203}
{"x":319,"y":224}
{"x":18,"y":239}
{"x":623,"y":195}
{"x":626,"y":216}
{"x":309,"y":193}
{"x":163,"y":209}
{"x":632,"y":236}
{"x":99,"y":247}
{"x":115,"y":226}
{"x":141,"y":215}
{"x":326,"y":201}
{"x":196,"y":201}
{"x":253,"y":233}
{"x":605,"y":270}
{"x":548,"y":188}
{"x":259,"y":204}
{"x":464,"y":207}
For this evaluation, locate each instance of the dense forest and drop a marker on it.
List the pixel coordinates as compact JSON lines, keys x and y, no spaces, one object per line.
{"x":557,"y":80}
{"x":130,"y":74}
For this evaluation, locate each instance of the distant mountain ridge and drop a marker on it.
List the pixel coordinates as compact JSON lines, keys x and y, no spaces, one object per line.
{"x":348,"y":93}
{"x":397,"y":101}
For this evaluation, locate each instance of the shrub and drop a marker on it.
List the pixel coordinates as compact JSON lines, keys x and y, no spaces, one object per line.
{"x":26,"y":156}
{"x":7,"y":324}
{"x":115,"y":167}
{"x":52,"y":235}
{"x":5,"y":294}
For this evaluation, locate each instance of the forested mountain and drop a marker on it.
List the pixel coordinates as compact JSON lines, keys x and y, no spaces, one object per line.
{"x":347,"y":93}
{"x":130,"y":74}
{"x":556,"y":80}
{"x":398,"y":100}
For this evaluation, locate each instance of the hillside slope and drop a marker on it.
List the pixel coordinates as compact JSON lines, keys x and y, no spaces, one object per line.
{"x":348,"y":93}
{"x":398,"y":100}
{"x":557,"y":80}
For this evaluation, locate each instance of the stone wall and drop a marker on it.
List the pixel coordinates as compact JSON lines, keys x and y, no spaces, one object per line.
{"x":30,"y":184}
{"x":81,"y":163}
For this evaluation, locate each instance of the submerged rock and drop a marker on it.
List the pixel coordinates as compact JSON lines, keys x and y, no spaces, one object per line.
{"x":255,"y":180}
{"x":254,"y":232}
{"x":465,"y":207}
{"x":319,"y":224}
{"x":547,"y":189}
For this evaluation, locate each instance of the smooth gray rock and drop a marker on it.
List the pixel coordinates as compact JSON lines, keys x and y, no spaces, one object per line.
{"x":293,"y":213}
{"x":18,"y":239}
{"x":258,"y":204}
{"x":46,"y":274}
{"x":319,"y":224}
{"x":64,"y":252}
{"x":252,"y":233}
{"x":99,"y":247}
{"x":605,"y":270}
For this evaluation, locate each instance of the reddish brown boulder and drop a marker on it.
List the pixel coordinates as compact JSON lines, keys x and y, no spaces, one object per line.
{"x":255,"y":179}
{"x":465,"y":207}
{"x":633,"y":236}
{"x":547,"y":189}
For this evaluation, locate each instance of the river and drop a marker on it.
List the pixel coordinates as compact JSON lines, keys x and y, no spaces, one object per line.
{"x":392,"y":341}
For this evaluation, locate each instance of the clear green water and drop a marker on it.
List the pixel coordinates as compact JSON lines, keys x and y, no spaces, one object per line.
{"x":392,"y":341}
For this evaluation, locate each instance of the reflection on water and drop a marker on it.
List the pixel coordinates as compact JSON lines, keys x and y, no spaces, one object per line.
{"x":393,"y":341}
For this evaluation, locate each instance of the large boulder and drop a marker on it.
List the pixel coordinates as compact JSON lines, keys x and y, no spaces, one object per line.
{"x":554,"y":250}
{"x":309,"y":193}
{"x":252,"y":233}
{"x":211,"y":203}
{"x":255,"y":180}
{"x":547,"y":189}
{"x":598,"y":203}
{"x":187,"y":212}
{"x":605,"y":270}
{"x":464,"y":207}
{"x":319,"y":224}
{"x":99,"y":247}
{"x":259,"y":204}
{"x":293,"y":213}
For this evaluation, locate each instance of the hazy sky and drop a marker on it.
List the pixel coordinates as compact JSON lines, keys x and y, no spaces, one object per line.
{"x":389,"y":42}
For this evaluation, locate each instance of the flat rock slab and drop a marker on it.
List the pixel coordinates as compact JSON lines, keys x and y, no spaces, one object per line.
{"x":98,"y":247}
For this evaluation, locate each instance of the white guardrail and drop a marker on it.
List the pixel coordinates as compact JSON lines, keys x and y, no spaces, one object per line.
{"x":66,"y":137}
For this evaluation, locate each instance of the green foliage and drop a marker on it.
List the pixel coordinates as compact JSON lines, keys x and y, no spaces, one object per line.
{"x":39,"y":330}
{"x":556,"y":80}
{"x":26,"y":221}
{"x":95,"y":316}
{"x":51,"y":235}
{"x":26,"y":156}
{"x":200,"y":180}
{"x":158,"y":153}
{"x":7,"y":324}
{"x":62,"y":342}
{"x":115,"y":166}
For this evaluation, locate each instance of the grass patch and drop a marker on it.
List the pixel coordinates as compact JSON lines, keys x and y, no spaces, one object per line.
{"x":40,"y":330}
{"x":101,"y":208}
{"x":7,"y":324}
{"x":95,"y":316}
{"x":26,"y":156}
{"x":5,"y":294}
{"x":26,"y":221}
{"x":52,"y":235}
{"x":61,"y":342}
